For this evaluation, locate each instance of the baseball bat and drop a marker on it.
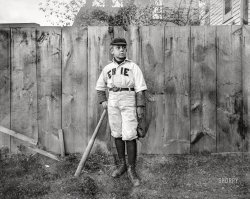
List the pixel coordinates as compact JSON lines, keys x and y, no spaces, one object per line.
{"x":90,"y":145}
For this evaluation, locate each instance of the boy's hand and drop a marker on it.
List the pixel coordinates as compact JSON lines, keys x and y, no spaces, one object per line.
{"x":105,"y":104}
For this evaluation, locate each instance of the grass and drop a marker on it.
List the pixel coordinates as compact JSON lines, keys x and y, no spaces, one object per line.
{"x":174,"y":176}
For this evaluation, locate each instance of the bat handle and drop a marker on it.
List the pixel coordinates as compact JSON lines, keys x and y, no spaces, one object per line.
{"x":90,"y":145}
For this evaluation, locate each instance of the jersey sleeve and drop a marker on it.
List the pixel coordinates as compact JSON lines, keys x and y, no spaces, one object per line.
{"x":101,"y":83}
{"x":140,"y":83}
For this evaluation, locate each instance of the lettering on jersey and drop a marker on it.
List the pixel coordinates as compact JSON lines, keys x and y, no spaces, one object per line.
{"x":111,"y":72}
{"x":109,"y":75}
{"x":124,"y":71}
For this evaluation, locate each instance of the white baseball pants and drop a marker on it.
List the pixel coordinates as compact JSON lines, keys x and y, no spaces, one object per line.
{"x":122,"y":115}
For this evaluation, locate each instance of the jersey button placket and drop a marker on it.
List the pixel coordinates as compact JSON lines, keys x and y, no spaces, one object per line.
{"x":112,"y":77}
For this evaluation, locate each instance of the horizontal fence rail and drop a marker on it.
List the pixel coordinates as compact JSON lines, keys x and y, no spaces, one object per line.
{"x":197,"y":78}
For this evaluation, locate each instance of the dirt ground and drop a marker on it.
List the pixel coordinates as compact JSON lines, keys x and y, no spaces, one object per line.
{"x":173,"y":176}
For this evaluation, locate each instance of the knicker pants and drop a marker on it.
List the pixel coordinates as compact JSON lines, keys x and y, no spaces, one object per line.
{"x":122,"y":115}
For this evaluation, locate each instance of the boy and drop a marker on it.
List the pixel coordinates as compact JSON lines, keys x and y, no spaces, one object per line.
{"x":126,"y":102}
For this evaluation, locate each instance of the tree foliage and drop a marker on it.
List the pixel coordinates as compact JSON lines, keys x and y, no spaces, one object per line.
{"x":64,"y":13}
{"x":61,"y":13}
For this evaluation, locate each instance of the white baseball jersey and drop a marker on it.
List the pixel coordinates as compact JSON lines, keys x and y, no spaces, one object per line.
{"x":126,"y":75}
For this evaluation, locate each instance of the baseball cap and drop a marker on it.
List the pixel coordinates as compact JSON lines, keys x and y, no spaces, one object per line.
{"x":119,"y":41}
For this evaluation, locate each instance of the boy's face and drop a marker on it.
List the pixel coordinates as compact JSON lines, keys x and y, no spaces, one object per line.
{"x":119,"y":51}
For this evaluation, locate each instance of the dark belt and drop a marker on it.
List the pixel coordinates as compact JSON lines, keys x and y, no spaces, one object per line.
{"x":116,"y":89}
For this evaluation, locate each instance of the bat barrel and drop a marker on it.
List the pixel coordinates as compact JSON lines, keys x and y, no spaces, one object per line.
{"x":89,"y":146}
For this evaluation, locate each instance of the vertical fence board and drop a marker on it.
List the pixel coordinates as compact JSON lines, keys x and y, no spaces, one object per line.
{"x":133,"y":41}
{"x":152,"y":62}
{"x":49,"y":86}
{"x":23,"y":84}
{"x":203,"y":89}
{"x":177,"y":88}
{"x":229,"y":89}
{"x":75,"y":88}
{"x":98,"y":57}
{"x":5,"y":85}
{"x":246,"y":87}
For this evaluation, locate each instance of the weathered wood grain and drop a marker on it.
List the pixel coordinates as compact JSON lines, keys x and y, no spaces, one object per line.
{"x":62,"y":143}
{"x":98,"y":57}
{"x":5,"y":84}
{"x":229,"y":89}
{"x":75,"y":88}
{"x":49,"y":86}
{"x":152,"y":63}
{"x":177,"y":90}
{"x":23,"y":84}
{"x":203,"y":89}
{"x":17,"y":135}
{"x":169,"y":67}
{"x":42,"y":152}
{"x":246,"y":88}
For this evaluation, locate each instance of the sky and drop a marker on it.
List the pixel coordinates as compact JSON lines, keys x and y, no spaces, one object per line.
{"x":22,"y":11}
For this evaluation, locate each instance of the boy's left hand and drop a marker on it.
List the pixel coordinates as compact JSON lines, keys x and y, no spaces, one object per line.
{"x":140,"y":112}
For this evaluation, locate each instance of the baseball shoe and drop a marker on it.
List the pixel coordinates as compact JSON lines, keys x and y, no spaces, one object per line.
{"x":132,"y":175}
{"x":122,"y":168}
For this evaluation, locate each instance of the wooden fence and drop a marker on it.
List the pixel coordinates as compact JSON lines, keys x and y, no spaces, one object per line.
{"x":198,"y":96}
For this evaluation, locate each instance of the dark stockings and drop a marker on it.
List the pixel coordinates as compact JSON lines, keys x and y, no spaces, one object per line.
{"x":120,"y":147}
{"x":131,"y":151}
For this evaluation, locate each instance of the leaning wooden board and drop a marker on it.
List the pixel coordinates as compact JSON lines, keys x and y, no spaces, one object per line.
{"x":24,"y":86}
{"x":5,"y":84}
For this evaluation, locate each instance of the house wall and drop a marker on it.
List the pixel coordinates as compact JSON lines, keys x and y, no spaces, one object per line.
{"x":216,"y":13}
{"x":216,"y":10}
{"x":235,"y":13}
{"x":203,"y":15}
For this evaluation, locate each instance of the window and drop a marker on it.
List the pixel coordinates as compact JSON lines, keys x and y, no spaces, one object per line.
{"x":227,"y":11}
{"x":158,"y":9}
{"x":228,"y":6}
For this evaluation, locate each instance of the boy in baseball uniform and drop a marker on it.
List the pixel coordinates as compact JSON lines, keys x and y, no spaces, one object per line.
{"x":126,"y":85}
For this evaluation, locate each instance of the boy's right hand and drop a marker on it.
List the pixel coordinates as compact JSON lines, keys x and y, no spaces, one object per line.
{"x":105,"y":104}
